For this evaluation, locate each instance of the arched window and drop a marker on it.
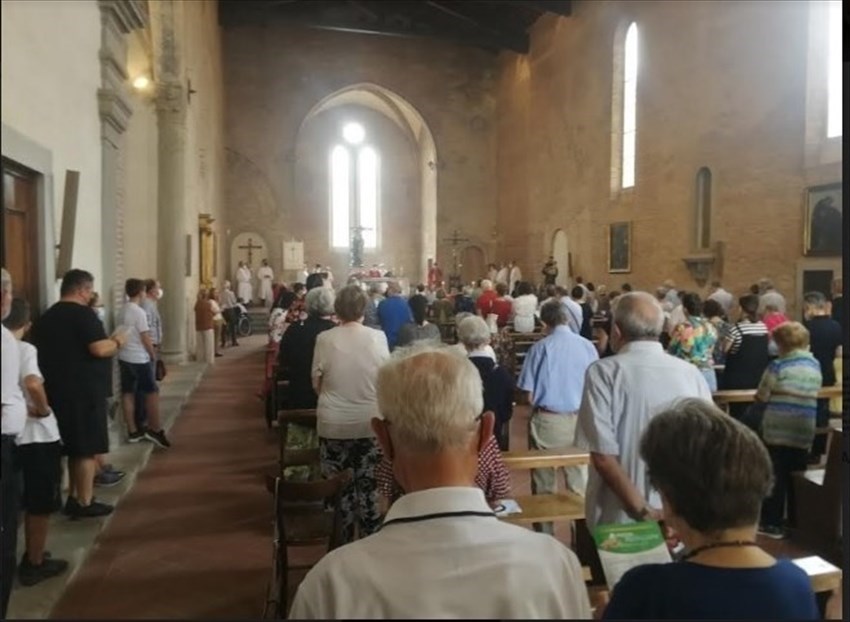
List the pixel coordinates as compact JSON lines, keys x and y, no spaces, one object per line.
{"x":630,"y":73}
{"x":355,"y":188}
{"x":833,"y":75}
{"x":703,"y":208}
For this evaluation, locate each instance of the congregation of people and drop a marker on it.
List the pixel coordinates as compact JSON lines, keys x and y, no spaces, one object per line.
{"x":623,"y":374}
{"x":415,"y":395}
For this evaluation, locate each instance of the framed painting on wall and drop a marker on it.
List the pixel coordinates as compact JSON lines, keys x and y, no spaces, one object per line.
{"x":620,"y":247}
{"x":823,"y":220}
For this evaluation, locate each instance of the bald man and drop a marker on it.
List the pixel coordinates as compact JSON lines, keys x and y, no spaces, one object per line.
{"x":621,"y":394}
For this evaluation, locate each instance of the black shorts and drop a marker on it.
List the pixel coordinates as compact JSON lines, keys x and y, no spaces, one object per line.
{"x":41,"y":467}
{"x":137,"y":377}
{"x":82,"y":426}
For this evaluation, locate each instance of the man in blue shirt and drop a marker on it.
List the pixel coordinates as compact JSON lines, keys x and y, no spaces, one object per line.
{"x":393,"y":313}
{"x":553,"y":374}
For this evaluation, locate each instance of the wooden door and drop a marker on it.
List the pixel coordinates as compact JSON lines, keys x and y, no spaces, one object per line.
{"x":473,"y":267}
{"x":20,"y":231}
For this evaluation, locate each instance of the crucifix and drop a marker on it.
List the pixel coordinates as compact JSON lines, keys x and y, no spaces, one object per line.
{"x":251,"y":247}
{"x":454,"y":241}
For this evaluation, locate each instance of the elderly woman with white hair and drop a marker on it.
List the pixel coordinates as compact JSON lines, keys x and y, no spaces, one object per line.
{"x":345,"y":369}
{"x":497,"y":381}
{"x":295,"y":357}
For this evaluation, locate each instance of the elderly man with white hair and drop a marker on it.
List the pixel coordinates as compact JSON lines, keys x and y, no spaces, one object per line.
{"x":622,"y":393}
{"x":441,"y":551}
{"x":769,"y":297}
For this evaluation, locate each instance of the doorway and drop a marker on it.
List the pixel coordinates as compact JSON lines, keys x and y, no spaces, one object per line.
{"x":561,"y":253}
{"x":19,"y":251}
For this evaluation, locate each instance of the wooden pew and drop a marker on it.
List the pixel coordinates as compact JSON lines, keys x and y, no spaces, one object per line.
{"x":817,"y":504}
{"x":742,"y":396}
{"x":553,"y":507}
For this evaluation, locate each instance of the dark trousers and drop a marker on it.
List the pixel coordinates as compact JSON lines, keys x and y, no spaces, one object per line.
{"x":10,"y":498}
{"x":821,"y":421}
{"x":786,"y":460}
{"x":231,"y":318}
{"x":140,"y":413}
{"x":502,"y":432}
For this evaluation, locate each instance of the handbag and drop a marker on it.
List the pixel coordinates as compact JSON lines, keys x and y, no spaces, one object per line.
{"x":160,"y":370}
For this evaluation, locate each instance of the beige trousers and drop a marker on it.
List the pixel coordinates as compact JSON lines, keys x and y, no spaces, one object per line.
{"x":205,"y":346}
{"x":550,"y":431}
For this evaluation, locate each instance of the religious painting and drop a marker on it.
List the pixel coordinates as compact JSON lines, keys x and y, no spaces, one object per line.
{"x":823,"y":220}
{"x":620,"y":247}
{"x":293,"y":255}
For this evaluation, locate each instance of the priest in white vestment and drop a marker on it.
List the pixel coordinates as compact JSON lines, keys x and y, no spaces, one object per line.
{"x":515,"y":277}
{"x":303,"y":274}
{"x":265,"y":274}
{"x":244,"y":289}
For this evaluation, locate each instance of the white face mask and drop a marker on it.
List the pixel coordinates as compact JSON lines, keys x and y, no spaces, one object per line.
{"x":160,"y":293}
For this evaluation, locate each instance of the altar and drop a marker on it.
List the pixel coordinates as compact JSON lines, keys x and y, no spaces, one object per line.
{"x":402,"y":282}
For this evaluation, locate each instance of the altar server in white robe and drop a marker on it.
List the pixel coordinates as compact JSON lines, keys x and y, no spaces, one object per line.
{"x":244,"y":289}
{"x":265,"y":275}
{"x":503,"y":274}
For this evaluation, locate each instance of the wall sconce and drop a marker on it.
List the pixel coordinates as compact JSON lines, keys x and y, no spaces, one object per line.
{"x":141,"y":83}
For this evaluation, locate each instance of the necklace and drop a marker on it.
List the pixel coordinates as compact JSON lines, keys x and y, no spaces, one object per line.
{"x":716,"y":545}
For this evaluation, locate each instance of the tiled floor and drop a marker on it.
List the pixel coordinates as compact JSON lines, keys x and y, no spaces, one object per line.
{"x":193,"y":538}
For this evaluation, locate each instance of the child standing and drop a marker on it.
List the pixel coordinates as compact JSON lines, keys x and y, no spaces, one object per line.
{"x":39,"y":452}
{"x":789,"y":389}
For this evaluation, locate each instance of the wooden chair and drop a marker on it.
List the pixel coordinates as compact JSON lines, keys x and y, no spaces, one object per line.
{"x":306,"y":514}
{"x":296,"y":457}
{"x":817,"y":504}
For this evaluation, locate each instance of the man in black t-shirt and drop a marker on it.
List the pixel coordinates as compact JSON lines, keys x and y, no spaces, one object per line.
{"x":825,"y":344}
{"x":74,"y":356}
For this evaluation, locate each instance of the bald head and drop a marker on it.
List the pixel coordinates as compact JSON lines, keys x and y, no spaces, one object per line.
{"x":639,"y":317}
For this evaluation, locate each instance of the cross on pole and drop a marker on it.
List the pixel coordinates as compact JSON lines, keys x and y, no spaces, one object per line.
{"x":250,"y":247}
{"x":454,"y":241}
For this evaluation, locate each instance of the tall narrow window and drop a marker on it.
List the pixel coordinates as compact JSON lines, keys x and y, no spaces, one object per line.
{"x":833,"y":76}
{"x":355,"y":189}
{"x":340,"y":196}
{"x":703,"y":208}
{"x":630,"y":72}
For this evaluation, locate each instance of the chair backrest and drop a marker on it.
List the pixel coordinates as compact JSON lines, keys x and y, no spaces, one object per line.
{"x":832,"y":470}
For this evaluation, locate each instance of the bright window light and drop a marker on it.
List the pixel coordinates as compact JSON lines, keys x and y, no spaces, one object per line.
{"x":630,"y":106}
{"x":353,"y":133}
{"x":340,"y":196}
{"x":367,"y":169}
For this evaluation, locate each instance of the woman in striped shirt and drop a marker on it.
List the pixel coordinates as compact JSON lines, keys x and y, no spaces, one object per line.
{"x":789,"y":389}
{"x":745,"y":345}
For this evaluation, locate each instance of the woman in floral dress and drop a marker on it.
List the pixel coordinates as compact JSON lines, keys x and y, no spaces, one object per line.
{"x":694,"y":339}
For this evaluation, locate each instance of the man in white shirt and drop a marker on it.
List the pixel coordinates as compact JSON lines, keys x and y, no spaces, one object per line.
{"x":572,"y":309}
{"x":621,"y":394}
{"x":134,"y":361}
{"x":723,"y":298}
{"x":14,"y":415}
{"x":39,"y":456}
{"x":441,"y":551}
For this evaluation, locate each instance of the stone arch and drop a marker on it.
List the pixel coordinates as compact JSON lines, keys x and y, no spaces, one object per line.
{"x":561,"y":253}
{"x":401,"y":112}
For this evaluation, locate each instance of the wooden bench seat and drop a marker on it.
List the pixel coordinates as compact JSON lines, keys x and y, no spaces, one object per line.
{"x":546,"y":458}
{"x":743,"y":396}
{"x":547,"y":508}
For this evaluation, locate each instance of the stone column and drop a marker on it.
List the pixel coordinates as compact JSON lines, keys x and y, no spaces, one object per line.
{"x":172,"y":229}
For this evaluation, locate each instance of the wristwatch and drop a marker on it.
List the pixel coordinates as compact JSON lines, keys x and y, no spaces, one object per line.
{"x":47,"y":414}
{"x":642,"y":513}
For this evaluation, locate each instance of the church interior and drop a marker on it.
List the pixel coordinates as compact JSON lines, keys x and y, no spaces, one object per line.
{"x":246,"y":145}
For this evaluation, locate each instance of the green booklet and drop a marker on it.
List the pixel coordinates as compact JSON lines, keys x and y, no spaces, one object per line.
{"x":625,"y":546}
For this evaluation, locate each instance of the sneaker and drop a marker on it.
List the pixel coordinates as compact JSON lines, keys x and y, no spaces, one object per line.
{"x":105,"y":478}
{"x":219,"y":354}
{"x":92,"y":510}
{"x":108,"y":468}
{"x":158,"y":438}
{"x":71,"y":505}
{"x":135,"y":437}
{"x":30,"y":575}
{"x":772,"y":532}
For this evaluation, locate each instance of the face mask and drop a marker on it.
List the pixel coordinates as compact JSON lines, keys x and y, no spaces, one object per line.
{"x":160,"y":293}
